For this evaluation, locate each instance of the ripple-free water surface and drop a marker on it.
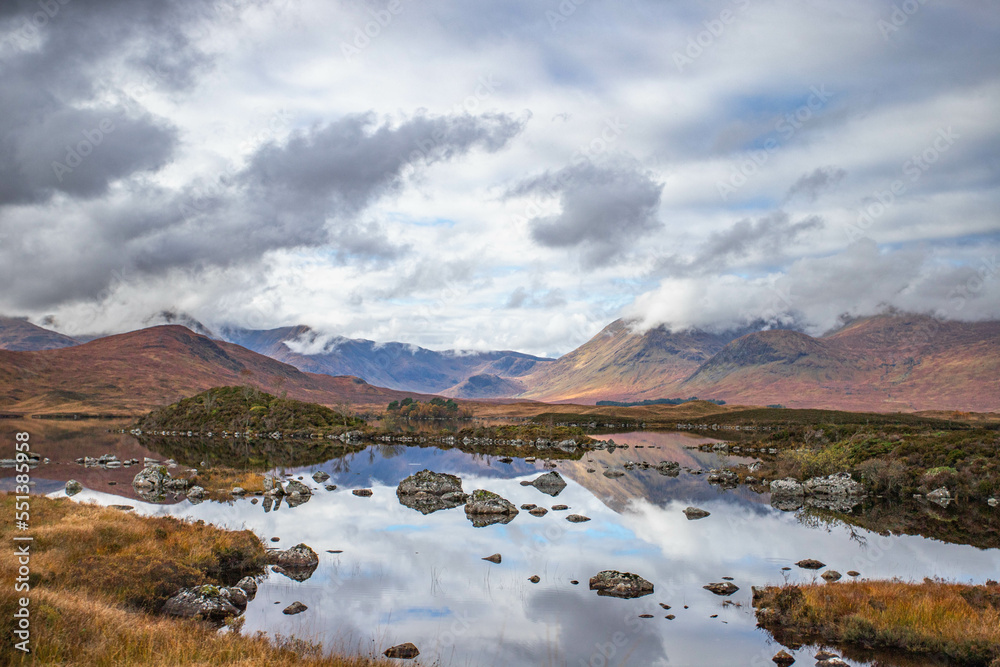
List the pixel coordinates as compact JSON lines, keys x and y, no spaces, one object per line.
{"x":406,"y":577}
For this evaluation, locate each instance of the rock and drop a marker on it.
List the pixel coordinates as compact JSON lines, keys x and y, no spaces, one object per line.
{"x":787,"y":503}
{"x":992,"y":502}
{"x":722,"y":588}
{"x":725,"y":478}
{"x":239,"y":491}
{"x":941,"y":496}
{"x":196,"y":493}
{"x":527,"y":507}
{"x":294,"y":608}
{"x":330,"y":487}
{"x":670,"y":617}
{"x":320,"y":476}
{"x":538,"y":511}
{"x":405,"y":651}
{"x":853,"y":573}
{"x":534,"y":579}
{"x":831,"y":575}
{"x":560,"y":508}
{"x":362,"y":493}
{"x":612,"y":473}
{"x":785,"y":488}
{"x":73,"y":487}
{"x":487,"y":503}
{"x":693,"y":513}
{"x":428,"y":492}
{"x":782,"y":659}
{"x":838,"y":484}
{"x":577,"y":518}
{"x":236,"y":596}
{"x":249,"y":586}
{"x":669,"y":468}
{"x":495,"y":558}
{"x":298,"y":562}
{"x":294,"y":487}
{"x":811,"y":564}
{"x":551,"y":483}
{"x":825,"y":655}
{"x":210,"y":603}
{"x":831,"y":662}
{"x":151,"y":478}
{"x":620,"y":584}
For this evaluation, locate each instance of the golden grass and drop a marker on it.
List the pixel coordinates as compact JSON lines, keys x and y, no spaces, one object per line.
{"x":99,"y":576}
{"x":957,"y":621}
{"x":220,"y":481}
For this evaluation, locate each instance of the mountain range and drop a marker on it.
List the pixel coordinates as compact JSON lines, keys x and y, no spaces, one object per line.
{"x":889,"y":362}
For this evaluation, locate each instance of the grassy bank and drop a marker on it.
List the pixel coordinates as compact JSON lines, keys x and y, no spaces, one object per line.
{"x":99,"y":577}
{"x":959,"y":623}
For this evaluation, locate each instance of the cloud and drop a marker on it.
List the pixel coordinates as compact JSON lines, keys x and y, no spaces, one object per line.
{"x":605,"y":207}
{"x":815,"y":294}
{"x":809,"y":186}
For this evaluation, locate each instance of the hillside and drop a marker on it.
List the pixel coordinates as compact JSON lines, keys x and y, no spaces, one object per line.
{"x":883,"y":363}
{"x":485,"y":385}
{"x":619,"y":363}
{"x":21,"y":335}
{"x":397,"y":365}
{"x":143,"y":369}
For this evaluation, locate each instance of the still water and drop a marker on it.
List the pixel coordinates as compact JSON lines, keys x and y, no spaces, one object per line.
{"x":402,"y":576}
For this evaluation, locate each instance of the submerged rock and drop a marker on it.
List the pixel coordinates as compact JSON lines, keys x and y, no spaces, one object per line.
{"x":782,"y":659}
{"x":693,"y":513}
{"x":363,"y":493}
{"x":73,"y":487}
{"x":428,"y":492}
{"x":613,"y":473}
{"x":620,"y":584}
{"x":320,"y":476}
{"x":577,"y":518}
{"x":294,"y":608}
{"x":551,"y":483}
{"x":405,"y":651}
{"x":495,"y":558}
{"x":811,"y":564}
{"x":722,"y":588}
{"x":941,"y":496}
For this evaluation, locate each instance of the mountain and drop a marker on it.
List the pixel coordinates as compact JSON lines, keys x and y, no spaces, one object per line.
{"x":882,"y":363}
{"x":139,"y":370}
{"x":397,"y":365}
{"x":619,"y":363}
{"x":21,"y":335}
{"x":485,"y":385}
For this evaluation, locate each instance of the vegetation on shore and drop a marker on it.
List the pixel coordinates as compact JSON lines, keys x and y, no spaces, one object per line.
{"x":958,"y":622}
{"x":246,"y":408}
{"x":99,"y":577}
{"x":436,"y":408}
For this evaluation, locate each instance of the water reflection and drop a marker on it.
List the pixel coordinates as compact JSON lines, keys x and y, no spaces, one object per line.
{"x":404,"y":576}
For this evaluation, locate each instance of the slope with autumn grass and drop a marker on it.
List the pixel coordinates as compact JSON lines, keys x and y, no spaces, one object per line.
{"x":137,"y":371}
{"x":99,"y":577}
{"x":955,"y":622}
{"x":21,"y":335}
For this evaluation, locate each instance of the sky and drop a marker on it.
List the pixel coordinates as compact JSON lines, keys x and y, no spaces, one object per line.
{"x":498,"y":175}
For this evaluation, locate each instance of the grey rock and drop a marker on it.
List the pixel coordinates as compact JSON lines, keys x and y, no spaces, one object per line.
{"x":941,"y":496}
{"x":838,"y":484}
{"x":300,"y":556}
{"x":538,"y":511}
{"x":320,"y":476}
{"x":196,"y":493}
{"x":151,"y":478}
{"x":992,"y":502}
{"x":205,"y":602}
{"x":428,"y":492}
{"x":693,"y":513}
{"x":831,"y":575}
{"x":484,"y":502}
{"x":73,"y":487}
{"x":723,"y":588}
{"x":782,"y":659}
{"x":551,"y":483}
{"x":292,"y":487}
{"x":363,"y":493}
{"x":239,"y":491}
{"x":620,"y":584}
{"x":249,"y":586}
{"x":811,"y":564}
{"x":406,"y":651}
{"x":788,"y":487}
{"x":294,"y":608}
{"x":577,"y":518}
{"x":613,"y":473}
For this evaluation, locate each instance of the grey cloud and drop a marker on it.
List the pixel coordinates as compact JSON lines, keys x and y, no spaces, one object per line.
{"x":765,"y":235}
{"x":355,"y":158}
{"x":811,"y":185}
{"x":605,"y":208}
{"x":521,"y":298}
